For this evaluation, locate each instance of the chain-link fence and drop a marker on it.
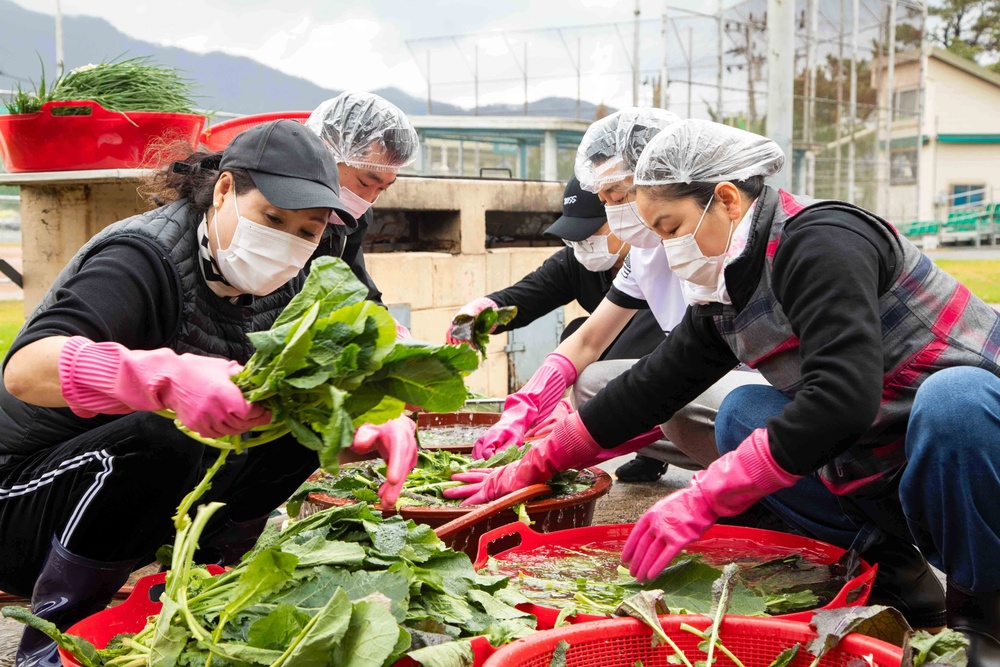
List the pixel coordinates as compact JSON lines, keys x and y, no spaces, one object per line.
{"x":851,"y":140}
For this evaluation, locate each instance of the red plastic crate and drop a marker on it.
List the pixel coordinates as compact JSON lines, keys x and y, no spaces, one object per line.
{"x":218,"y":136}
{"x":101,"y":140}
{"x":762,"y":543}
{"x":623,"y":641}
{"x":131,"y":615}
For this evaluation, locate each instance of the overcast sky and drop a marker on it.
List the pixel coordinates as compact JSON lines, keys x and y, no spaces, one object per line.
{"x":362,"y":44}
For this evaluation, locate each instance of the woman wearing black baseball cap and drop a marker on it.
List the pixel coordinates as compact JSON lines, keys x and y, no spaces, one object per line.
{"x":152,"y":313}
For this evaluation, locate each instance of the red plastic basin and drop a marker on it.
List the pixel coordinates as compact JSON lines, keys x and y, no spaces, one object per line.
{"x":764,"y":544}
{"x":101,"y":140}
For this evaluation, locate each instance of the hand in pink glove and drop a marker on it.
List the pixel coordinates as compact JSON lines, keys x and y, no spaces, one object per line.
{"x":396,"y":442}
{"x":402,"y":332}
{"x":471,"y":309}
{"x":545,"y":426}
{"x":568,"y":446}
{"x":524,"y":409}
{"x":729,"y":486}
{"x":111,"y":379}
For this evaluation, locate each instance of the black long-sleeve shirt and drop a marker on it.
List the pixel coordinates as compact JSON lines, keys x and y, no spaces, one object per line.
{"x":828,"y":273}
{"x":561,"y":279}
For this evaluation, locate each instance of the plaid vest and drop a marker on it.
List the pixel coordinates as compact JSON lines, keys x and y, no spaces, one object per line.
{"x":930,"y":321}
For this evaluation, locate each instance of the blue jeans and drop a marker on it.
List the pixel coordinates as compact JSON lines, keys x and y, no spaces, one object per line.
{"x":946,"y":501}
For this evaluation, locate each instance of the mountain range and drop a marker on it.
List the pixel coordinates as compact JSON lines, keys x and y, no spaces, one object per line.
{"x":221,"y":81}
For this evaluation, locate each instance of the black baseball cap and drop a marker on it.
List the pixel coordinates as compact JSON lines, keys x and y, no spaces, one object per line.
{"x":291,"y":166}
{"x":583,"y":214}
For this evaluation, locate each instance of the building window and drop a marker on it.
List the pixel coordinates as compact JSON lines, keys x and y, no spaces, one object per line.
{"x":967,"y":194}
{"x":905,"y":101}
{"x":903,"y":166}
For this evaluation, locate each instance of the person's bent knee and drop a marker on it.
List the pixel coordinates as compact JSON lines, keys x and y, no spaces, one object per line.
{"x":739,"y":411}
{"x":951,"y":402}
{"x":156,"y":443}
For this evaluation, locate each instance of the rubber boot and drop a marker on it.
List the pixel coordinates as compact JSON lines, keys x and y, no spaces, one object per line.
{"x":977,"y":616}
{"x":905,"y":581}
{"x":68,"y":589}
{"x":227,"y":544}
{"x":640,"y":469}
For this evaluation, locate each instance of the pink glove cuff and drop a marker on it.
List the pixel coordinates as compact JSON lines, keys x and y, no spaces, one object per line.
{"x":570,"y":445}
{"x":629,"y":446}
{"x":88,"y":372}
{"x":754,"y":454}
{"x":539,"y":396}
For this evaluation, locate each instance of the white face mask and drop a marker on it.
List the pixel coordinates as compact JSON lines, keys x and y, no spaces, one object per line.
{"x":593,"y":253}
{"x":629,"y":227}
{"x":354,"y":204}
{"x":260,"y":259}
{"x":688,"y":261}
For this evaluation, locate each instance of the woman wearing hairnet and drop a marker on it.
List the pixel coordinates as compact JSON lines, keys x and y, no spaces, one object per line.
{"x":881,"y":428}
{"x":605,"y":164}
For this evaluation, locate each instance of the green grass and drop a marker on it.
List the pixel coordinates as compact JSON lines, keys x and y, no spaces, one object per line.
{"x":11,"y":319}
{"x":982,"y":276}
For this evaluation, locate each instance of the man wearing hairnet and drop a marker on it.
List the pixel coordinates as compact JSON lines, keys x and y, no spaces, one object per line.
{"x":371,"y":140}
{"x":605,"y":164}
{"x":879,"y":430}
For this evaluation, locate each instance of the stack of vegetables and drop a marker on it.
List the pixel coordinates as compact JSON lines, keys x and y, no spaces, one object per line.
{"x":135,"y":84}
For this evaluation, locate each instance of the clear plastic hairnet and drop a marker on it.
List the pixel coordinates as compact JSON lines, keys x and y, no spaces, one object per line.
{"x":366,"y":131}
{"x":611,"y":146}
{"x":706,"y":152}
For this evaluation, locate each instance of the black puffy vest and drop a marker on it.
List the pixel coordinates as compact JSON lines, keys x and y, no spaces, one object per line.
{"x":207,"y":324}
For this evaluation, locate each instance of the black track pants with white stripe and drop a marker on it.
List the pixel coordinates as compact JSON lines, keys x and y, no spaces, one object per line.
{"x":109,"y":494}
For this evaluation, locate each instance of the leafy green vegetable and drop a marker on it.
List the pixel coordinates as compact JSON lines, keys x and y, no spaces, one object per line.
{"x":424,"y":486}
{"x":946,"y":647}
{"x":832,"y":625}
{"x":722,"y":593}
{"x":476,"y":330}
{"x":303,"y":599}
{"x":134,"y":84}
{"x":559,"y":654}
{"x":785,"y":657}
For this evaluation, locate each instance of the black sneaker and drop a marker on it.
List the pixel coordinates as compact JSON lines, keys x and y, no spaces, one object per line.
{"x":641,"y":469}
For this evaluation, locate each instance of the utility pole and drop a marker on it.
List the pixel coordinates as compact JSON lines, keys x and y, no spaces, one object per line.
{"x":635,"y":58}
{"x":719,"y":113}
{"x":780,"y":80}
{"x":59,"y":40}
{"x":889,"y":83}
{"x":664,"y":72}
{"x":810,"y":105}
{"x":921,"y":111}
{"x":851,"y":147}
{"x":840,"y":102}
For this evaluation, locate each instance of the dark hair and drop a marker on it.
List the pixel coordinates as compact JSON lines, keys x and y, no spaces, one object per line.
{"x":192,"y":178}
{"x":702,"y":192}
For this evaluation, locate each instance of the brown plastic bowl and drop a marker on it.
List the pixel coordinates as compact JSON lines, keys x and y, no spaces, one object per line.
{"x":548,"y":514}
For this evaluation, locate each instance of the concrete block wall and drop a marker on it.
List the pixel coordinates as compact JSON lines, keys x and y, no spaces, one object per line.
{"x":436,"y":285}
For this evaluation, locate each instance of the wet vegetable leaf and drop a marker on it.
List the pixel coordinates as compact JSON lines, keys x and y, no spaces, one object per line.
{"x":832,"y":625}
{"x":946,"y":647}
{"x":785,"y":657}
{"x":559,"y":654}
{"x":476,"y":330}
{"x":449,"y":654}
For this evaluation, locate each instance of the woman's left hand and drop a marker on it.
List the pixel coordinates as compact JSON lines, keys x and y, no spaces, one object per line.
{"x":396,"y":442}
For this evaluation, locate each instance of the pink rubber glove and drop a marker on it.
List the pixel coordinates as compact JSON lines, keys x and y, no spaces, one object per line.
{"x":471,"y":309}
{"x":402,"y":332}
{"x":396,"y":442}
{"x":568,"y":446}
{"x":545,"y":426}
{"x":108,"y":378}
{"x":729,"y":486}
{"x":526,"y":408}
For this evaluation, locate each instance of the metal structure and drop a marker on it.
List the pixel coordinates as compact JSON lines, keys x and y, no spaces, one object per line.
{"x":814,"y":78}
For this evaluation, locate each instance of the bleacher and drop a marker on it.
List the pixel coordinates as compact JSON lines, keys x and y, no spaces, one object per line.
{"x":978,"y":223}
